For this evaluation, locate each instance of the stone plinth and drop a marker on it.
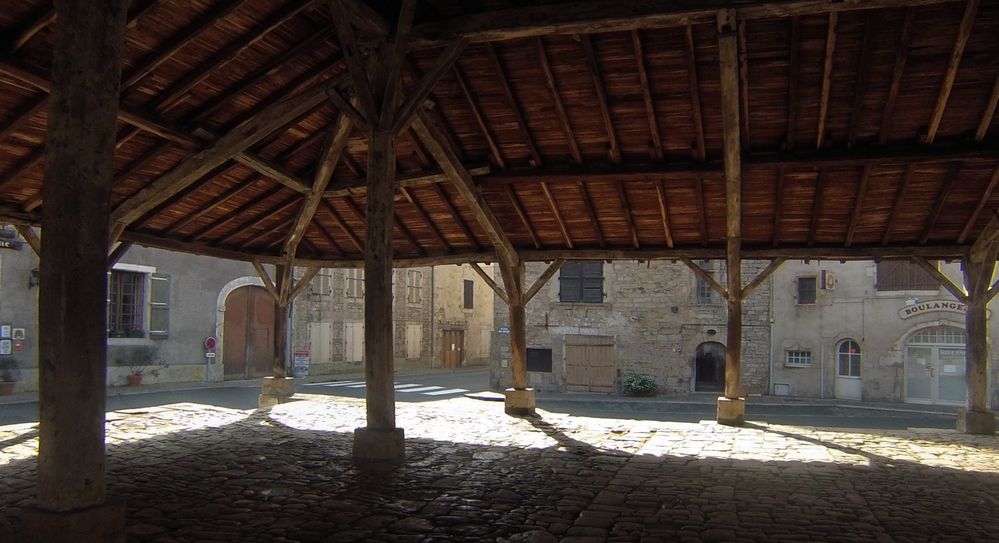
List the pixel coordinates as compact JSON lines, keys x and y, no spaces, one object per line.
{"x":731,"y":411}
{"x":105,"y":523}
{"x":519,"y":403}
{"x":976,"y":422}
{"x":275,"y":390}
{"x":378,"y":445}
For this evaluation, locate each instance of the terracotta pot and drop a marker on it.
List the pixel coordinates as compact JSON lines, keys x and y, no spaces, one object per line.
{"x":7,"y":387}
{"x":134,"y":380}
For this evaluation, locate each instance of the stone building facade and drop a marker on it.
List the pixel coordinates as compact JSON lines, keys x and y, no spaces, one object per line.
{"x":654,"y":318}
{"x":437,"y":322}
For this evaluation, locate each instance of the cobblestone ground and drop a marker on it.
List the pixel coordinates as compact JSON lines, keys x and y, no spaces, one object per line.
{"x":199,"y":473}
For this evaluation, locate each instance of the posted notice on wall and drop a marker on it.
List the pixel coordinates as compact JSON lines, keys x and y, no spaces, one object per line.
{"x":300,"y":363}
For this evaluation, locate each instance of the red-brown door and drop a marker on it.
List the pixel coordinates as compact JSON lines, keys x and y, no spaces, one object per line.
{"x":248,"y":333}
{"x":452,"y":352}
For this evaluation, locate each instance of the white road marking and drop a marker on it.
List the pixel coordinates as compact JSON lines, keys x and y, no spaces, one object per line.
{"x":448,"y":391}
{"x":421,"y":389}
{"x":400,"y":387}
{"x":342,"y":383}
{"x":362,"y":385}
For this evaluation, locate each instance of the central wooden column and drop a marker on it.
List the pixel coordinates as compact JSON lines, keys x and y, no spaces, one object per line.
{"x":520,"y":399}
{"x":79,"y":168}
{"x":976,"y":417}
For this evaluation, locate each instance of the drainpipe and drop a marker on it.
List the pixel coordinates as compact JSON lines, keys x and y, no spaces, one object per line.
{"x":433,"y":313}
{"x":770,"y":317}
{"x":822,"y":365}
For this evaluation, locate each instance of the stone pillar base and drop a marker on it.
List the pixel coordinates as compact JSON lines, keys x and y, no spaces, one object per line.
{"x":276,"y":390}
{"x":377,"y":445}
{"x":731,"y":411}
{"x":976,"y":422}
{"x":519,"y":403}
{"x":104,"y":522}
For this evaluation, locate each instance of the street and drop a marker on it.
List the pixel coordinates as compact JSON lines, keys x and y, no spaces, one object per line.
{"x":442,"y":385}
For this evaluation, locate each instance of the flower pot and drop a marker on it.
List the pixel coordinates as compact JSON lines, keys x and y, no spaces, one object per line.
{"x":7,"y":387}
{"x":134,"y":380}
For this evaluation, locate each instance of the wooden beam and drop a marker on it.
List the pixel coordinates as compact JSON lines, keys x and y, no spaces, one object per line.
{"x":963,"y":32}
{"x":858,"y":204}
{"x":793,"y":70}
{"x":655,"y":141}
{"x":593,"y":64}
{"x":327,"y":236}
{"x":422,"y":212}
{"x":462,"y":180}
{"x":118,"y":252}
{"x":353,"y":56}
{"x":702,"y":215}
{"x":860,"y":87}
{"x":32,"y":29}
{"x":32,"y":107}
{"x":705,"y":276}
{"x":778,"y":206}
{"x":901,"y":56}
{"x":356,"y":187}
{"x":699,"y":152}
{"x":494,"y":150}
{"x":342,"y":224}
{"x":258,"y":219}
{"x":973,"y":219}
{"x":820,"y":185}
{"x":31,"y":238}
{"x":987,"y":240}
{"x":588,"y":207}
{"x":952,"y":173}
{"x":826,"y":77}
{"x":233,"y":214}
{"x":502,"y":79}
{"x":989,"y":113}
{"x":266,"y":278}
{"x":490,"y":282}
{"x":345,"y":107}
{"x":664,"y":211}
{"x":445,"y":61}
{"x":542,"y":280}
{"x":744,"y":82}
{"x":944,"y":281}
{"x":273,"y":170}
{"x":897,"y":207}
{"x":458,"y":219}
{"x":764,"y":274}
{"x":622,"y":195}
{"x":365,"y":18}
{"x":522,"y":213}
{"x":302,"y":282}
{"x":553,"y":206}
{"x":571,"y":18}
{"x":563,"y":117}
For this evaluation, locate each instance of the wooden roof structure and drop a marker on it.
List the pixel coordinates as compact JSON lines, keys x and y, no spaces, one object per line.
{"x":592,"y":130}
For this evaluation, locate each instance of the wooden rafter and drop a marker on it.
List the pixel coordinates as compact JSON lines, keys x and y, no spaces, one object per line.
{"x":706,"y":277}
{"x":778,"y":205}
{"x":793,"y":69}
{"x":901,"y":56}
{"x":963,"y":32}
{"x":588,"y":206}
{"x":522,"y":213}
{"x":255,"y":221}
{"x":860,"y":87}
{"x":277,"y":231}
{"x":764,"y":274}
{"x":664,"y":211}
{"x":655,"y":140}
{"x":744,"y":81}
{"x":989,"y":113}
{"x":31,"y":237}
{"x":858,"y":204}
{"x":950,"y":178}
{"x":826,"y":77}
{"x":820,"y":187}
{"x":342,"y":224}
{"x":542,"y":280}
{"x":327,"y":236}
{"x":233,"y":214}
{"x":353,"y":57}
{"x":973,"y":219}
{"x":273,"y":170}
{"x":563,"y":117}
{"x":445,"y":60}
{"x":553,"y":206}
{"x":118,"y":252}
{"x":32,"y":29}
{"x":422,"y":212}
{"x":614,"y":150}
{"x":897,"y":207}
{"x":302,"y":283}
{"x":622,"y":196}
{"x":32,"y":107}
{"x":355,"y":187}
{"x":180,"y":195}
{"x":266,"y":278}
{"x":458,"y":219}
{"x":494,"y":151}
{"x":504,"y":82}
{"x":702,"y":217}
{"x":490,"y":282}
{"x":944,"y":281}
{"x":699,"y":151}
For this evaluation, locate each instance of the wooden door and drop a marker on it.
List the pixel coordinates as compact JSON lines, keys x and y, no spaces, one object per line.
{"x":453,"y":348}
{"x":590,"y":363}
{"x":248,"y":333}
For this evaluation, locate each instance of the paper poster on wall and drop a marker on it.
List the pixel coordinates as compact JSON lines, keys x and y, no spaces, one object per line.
{"x":5,"y":331}
{"x":6,"y":346}
{"x":300,"y":363}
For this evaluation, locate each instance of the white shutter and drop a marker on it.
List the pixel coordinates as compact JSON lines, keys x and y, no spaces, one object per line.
{"x":414,"y":340}
{"x":321,"y":342}
{"x":159,"y":305}
{"x":353,"y":341}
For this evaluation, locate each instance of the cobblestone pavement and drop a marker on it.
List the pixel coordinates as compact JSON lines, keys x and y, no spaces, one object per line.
{"x":198,"y":473}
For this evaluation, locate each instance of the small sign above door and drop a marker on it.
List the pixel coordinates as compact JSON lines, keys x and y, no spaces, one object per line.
{"x":910,"y":311}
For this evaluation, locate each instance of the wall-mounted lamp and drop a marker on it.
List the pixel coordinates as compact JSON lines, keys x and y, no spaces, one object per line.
{"x":34,"y":278}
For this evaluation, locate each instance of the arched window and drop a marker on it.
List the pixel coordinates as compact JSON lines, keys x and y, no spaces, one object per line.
{"x":849,"y":358}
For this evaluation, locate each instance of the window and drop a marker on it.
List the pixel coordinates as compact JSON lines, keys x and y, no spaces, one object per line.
{"x":799,"y":358}
{"x":904,"y":275}
{"x":849,"y":358}
{"x":414,"y":340}
{"x":354,"y":280}
{"x":539,"y":360}
{"x":130,"y":294}
{"x":581,"y":282}
{"x":807,"y":290}
{"x":705,"y":294}
{"x":322,"y":285}
{"x":414,"y":287}
{"x":469,"y":301}
{"x":353,"y":341}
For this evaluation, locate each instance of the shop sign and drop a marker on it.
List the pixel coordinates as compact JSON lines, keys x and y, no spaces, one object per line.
{"x":10,"y":244}
{"x":922,"y":308}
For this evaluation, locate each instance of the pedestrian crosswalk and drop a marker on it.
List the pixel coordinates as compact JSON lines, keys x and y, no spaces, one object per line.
{"x":407,"y":388}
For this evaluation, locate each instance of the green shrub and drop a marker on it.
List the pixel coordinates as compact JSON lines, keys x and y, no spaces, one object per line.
{"x":637,"y":384}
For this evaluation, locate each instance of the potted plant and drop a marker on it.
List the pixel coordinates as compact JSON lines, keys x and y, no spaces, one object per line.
{"x":9,"y":374}
{"x":637,"y":384}
{"x":135,"y":374}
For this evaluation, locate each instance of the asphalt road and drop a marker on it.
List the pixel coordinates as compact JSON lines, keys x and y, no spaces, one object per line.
{"x":441,"y":386}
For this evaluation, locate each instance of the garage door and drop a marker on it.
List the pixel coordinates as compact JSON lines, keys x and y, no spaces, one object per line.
{"x":590,"y":363}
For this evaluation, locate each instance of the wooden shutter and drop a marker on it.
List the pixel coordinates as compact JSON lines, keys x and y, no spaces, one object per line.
{"x":321,"y":342}
{"x":159,"y":305}
{"x":569,"y":279}
{"x":592,"y":282}
{"x":414,"y":340}
{"x":469,"y":294}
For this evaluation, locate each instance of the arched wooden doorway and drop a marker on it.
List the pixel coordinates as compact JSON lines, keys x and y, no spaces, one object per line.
{"x":248,"y":333}
{"x":709,"y":367}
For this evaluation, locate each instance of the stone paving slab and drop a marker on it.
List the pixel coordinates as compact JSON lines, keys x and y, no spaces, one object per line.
{"x":206,"y":474}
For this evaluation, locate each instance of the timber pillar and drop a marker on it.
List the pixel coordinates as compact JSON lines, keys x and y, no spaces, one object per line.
{"x":976,"y":418}
{"x":520,"y":400}
{"x":280,"y":387}
{"x":72,"y":503}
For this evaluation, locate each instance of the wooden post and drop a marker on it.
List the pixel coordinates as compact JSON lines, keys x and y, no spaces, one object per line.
{"x":281,"y":322}
{"x":520,"y":399}
{"x":79,"y":168}
{"x":978,"y":271}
